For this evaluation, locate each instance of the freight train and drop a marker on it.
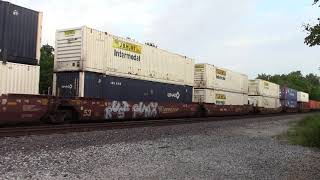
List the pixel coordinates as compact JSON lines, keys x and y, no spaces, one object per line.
{"x":102,"y":77}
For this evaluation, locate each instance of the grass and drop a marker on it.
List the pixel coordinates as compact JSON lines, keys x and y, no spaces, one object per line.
{"x":306,"y":132}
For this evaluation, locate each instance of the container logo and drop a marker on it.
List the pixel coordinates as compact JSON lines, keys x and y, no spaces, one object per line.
{"x":118,"y":44}
{"x":67,"y":86}
{"x":221,"y":96}
{"x":15,"y":13}
{"x":221,"y":74}
{"x":127,"y":55}
{"x":174,"y":95}
{"x":69,"y":33}
{"x":221,"y":99}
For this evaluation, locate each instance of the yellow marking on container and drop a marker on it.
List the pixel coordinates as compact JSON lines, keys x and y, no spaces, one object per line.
{"x":221,"y":96}
{"x":199,"y":66}
{"x":70,"y":33}
{"x":221,"y":72}
{"x":118,"y":44}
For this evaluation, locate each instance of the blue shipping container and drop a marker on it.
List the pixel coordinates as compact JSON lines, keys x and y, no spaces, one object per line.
{"x":120,"y":89}
{"x":289,"y":104}
{"x":288,"y":94}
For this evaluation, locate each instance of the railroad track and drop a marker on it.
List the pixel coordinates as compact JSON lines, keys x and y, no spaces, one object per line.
{"x":83,"y":127}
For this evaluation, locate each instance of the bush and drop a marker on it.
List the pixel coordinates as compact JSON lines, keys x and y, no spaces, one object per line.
{"x":306,"y":132}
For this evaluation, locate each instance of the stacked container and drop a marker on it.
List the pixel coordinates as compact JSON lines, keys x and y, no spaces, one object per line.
{"x":289,"y":98}
{"x":96,"y":64}
{"x":219,"y":86}
{"x":20,"y":37}
{"x":303,"y":99}
{"x":264,"y":94}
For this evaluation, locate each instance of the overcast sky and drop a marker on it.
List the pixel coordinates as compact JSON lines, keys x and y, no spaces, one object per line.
{"x":250,"y":36}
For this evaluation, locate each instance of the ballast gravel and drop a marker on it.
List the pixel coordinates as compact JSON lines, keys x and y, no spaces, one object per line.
{"x":233,"y":149}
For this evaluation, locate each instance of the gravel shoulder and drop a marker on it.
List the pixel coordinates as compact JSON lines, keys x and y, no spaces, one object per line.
{"x":235,"y":149}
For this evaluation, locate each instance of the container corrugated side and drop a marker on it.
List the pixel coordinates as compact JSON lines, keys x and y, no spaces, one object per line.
{"x":95,"y":85}
{"x":19,"y":78}
{"x":288,"y":94}
{"x":264,"y":88}
{"x":20,"y":34}
{"x":85,"y":49}
{"x":219,"y":97}
{"x":211,"y":77}
{"x":303,"y":97}
{"x":289,"y":104}
{"x":264,"y":102}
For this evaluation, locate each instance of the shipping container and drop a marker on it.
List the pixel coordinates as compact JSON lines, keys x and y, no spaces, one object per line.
{"x":20,"y":34}
{"x":289,"y":104}
{"x":264,"y":88}
{"x":302,"y":97}
{"x":86,"y":49}
{"x":314,"y":105}
{"x":304,"y":106}
{"x":19,"y":78}
{"x":219,"y":97}
{"x":211,"y":77}
{"x":264,"y":102}
{"x":94,"y":85}
{"x":288,"y":94}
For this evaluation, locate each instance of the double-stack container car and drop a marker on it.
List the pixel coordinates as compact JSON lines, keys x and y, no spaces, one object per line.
{"x":95,"y":64}
{"x":20,"y":37}
{"x":221,"y":91}
{"x":264,"y":96}
{"x":219,"y":86}
{"x":303,"y":99}
{"x":289,"y":99}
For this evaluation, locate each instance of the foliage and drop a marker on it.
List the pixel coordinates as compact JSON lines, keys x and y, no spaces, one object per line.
{"x":309,"y":83}
{"x":46,"y":68}
{"x":313,"y":37}
{"x":306,"y":132}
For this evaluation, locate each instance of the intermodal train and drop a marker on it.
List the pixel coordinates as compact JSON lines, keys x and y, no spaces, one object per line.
{"x":102,"y":77}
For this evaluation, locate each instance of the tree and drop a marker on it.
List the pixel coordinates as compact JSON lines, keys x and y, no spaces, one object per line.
{"x":313,"y":37}
{"x":46,"y":69}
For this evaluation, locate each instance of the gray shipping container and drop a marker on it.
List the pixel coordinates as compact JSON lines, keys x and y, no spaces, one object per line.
{"x":20,"y":34}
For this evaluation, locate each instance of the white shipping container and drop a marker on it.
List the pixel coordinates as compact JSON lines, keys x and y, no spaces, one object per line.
{"x":219,"y":97}
{"x":211,"y":77}
{"x":260,"y":87}
{"x":86,"y":49}
{"x":19,"y":78}
{"x":265,"y":102}
{"x":303,"y":97}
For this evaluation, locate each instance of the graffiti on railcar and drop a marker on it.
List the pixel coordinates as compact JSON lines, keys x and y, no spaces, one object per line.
{"x":146,"y":110}
{"x":117,"y":108}
{"x":122,"y":109}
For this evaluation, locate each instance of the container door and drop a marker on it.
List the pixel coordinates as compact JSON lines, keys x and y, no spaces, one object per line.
{"x":67,"y":84}
{"x":93,"y":85}
{"x":20,"y":34}
{"x":3,"y":13}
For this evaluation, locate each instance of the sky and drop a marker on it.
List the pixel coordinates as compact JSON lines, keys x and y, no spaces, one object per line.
{"x":248,"y":36}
